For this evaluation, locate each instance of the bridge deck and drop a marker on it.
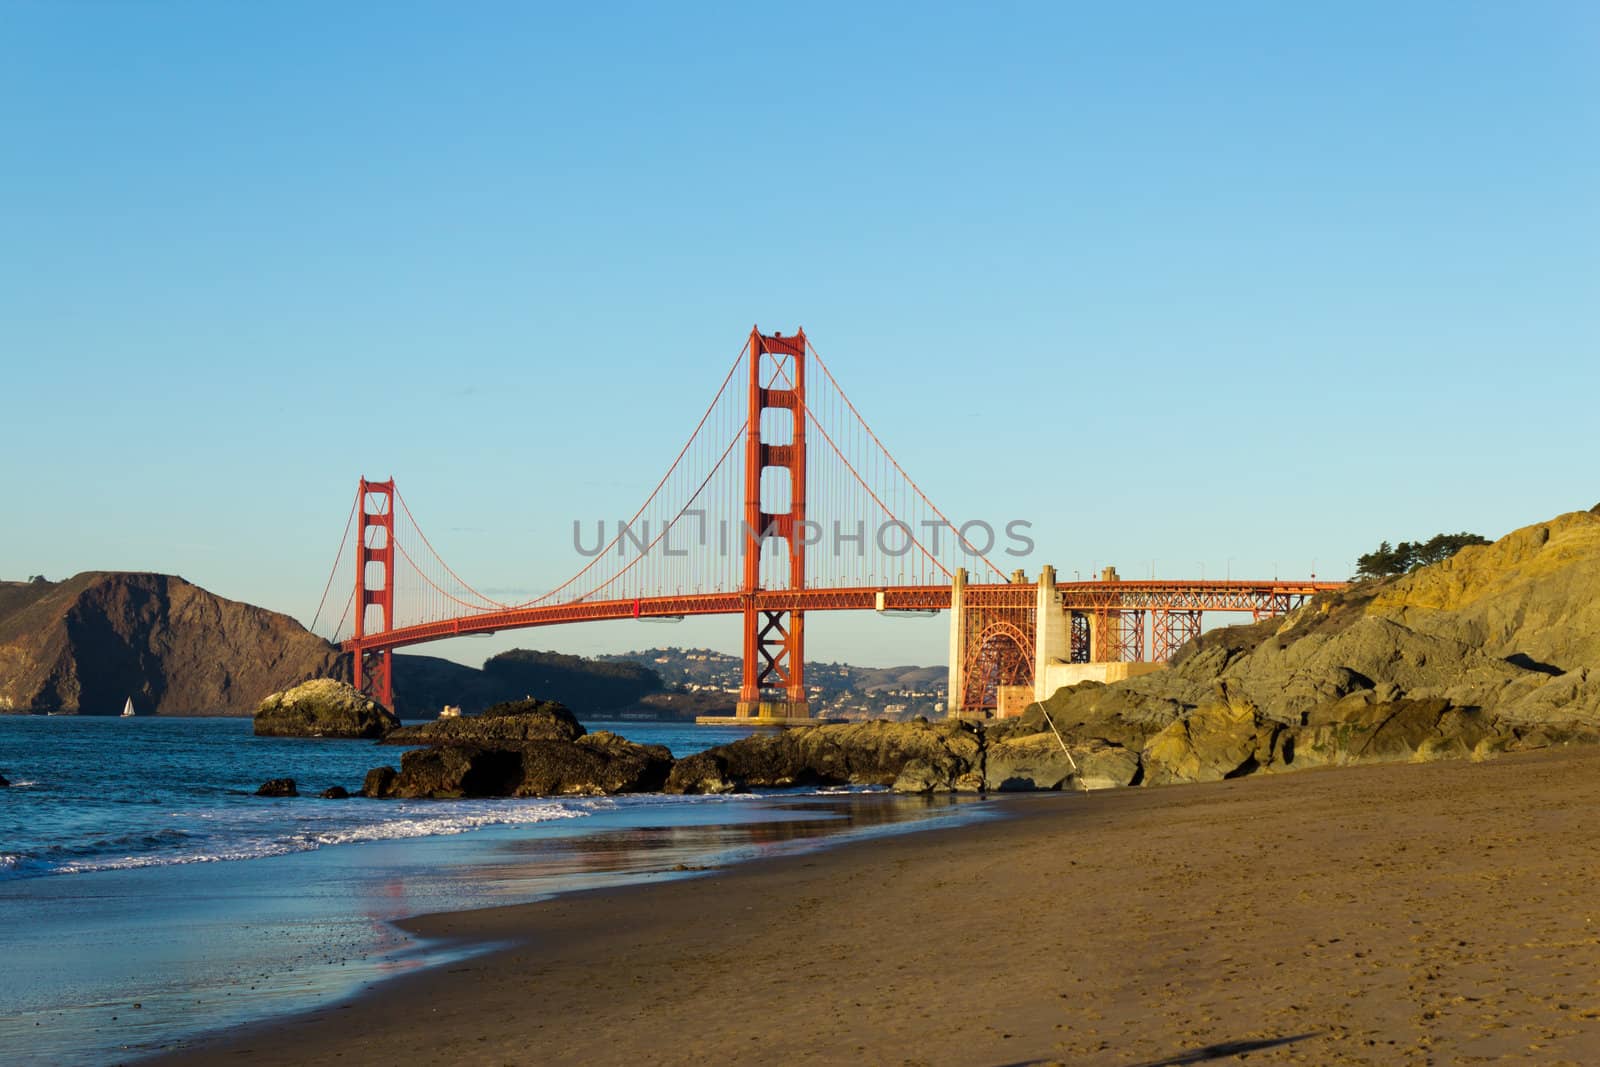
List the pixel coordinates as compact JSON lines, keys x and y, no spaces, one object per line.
{"x":1227,"y":595}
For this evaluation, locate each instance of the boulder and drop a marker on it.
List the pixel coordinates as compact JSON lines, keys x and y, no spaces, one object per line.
{"x":379,"y":782}
{"x":917,"y":776}
{"x":1519,"y":738}
{"x":500,"y":726}
{"x":335,"y":792}
{"x":1572,"y":696}
{"x":1033,"y":762}
{"x":1288,"y":680}
{"x":599,"y":763}
{"x":278,"y":787}
{"x":1224,"y":739}
{"x":593,"y":765}
{"x":454,"y":771}
{"x":1123,"y":713}
{"x":701,"y":772}
{"x":323,"y":707}
{"x":1360,"y":730}
{"x":865,"y":753}
{"x":1102,"y":766}
{"x":3,"y":783}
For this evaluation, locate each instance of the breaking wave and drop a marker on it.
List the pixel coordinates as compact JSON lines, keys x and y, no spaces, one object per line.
{"x":218,"y":837}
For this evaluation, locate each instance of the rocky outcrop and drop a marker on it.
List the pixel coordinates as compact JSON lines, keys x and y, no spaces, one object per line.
{"x":518,"y":748}
{"x":1511,"y":628}
{"x":278,"y":787}
{"x":595,"y":764}
{"x":912,"y":757}
{"x":1224,"y":739}
{"x":323,"y":707}
{"x":599,"y":762}
{"x":1363,"y":729}
{"x":456,"y":771}
{"x":1102,"y":766}
{"x":501,"y":725}
{"x":335,"y":792}
{"x":1496,"y":649}
{"x":87,"y":644}
{"x":1028,"y":762}
{"x":379,"y":782}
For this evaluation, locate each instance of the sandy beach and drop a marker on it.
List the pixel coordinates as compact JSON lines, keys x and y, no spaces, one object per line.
{"x":1438,"y":913}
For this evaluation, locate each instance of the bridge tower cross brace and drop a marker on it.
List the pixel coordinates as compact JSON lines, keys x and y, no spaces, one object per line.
{"x":774,"y":641}
{"x":374,"y":668}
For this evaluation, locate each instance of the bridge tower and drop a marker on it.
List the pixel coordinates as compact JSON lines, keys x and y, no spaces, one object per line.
{"x":774,"y":641}
{"x":374,"y":668}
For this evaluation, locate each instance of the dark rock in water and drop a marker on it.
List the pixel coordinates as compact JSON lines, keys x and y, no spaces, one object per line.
{"x":3,"y":783}
{"x":500,"y":726}
{"x":278,"y":787}
{"x":379,"y":782}
{"x":593,"y":765}
{"x":455,"y":771}
{"x":335,"y":792}
{"x":323,"y":707}
{"x":942,"y":757}
{"x":598,"y":763}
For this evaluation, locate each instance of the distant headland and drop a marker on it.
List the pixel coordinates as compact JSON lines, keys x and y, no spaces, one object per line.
{"x":89,"y":643}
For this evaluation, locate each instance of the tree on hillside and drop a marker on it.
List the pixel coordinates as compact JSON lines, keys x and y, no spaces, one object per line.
{"x":1387,"y":560}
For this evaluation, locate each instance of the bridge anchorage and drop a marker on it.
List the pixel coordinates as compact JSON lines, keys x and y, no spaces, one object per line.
{"x":784,"y":503}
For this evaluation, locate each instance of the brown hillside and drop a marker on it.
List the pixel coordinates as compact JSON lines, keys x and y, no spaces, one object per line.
{"x":86,"y":644}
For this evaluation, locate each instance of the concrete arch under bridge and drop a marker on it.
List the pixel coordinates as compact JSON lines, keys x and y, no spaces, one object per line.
{"x":1019,"y":642}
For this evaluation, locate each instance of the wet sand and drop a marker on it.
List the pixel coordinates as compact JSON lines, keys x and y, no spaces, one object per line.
{"x":1439,"y":913}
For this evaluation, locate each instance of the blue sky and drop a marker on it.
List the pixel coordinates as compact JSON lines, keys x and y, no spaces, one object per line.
{"x":1235,"y":286}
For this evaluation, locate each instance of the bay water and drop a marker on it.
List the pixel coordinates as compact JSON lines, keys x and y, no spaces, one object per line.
{"x":148,"y":896}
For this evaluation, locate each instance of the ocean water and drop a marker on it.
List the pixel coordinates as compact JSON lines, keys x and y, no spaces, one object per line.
{"x":93,"y":794}
{"x":147,"y":896}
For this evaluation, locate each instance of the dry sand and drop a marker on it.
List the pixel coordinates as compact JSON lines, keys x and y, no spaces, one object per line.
{"x":1439,"y":913}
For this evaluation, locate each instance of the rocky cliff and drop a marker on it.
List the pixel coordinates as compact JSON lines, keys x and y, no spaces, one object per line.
{"x":1496,"y":648}
{"x":86,"y":644}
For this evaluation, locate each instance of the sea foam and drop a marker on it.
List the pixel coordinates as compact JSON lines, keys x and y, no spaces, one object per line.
{"x":215,"y":837}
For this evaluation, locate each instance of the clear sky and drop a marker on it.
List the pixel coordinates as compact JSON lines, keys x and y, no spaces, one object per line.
{"x":1232,"y":287}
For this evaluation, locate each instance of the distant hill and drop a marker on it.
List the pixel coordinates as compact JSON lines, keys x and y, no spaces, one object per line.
{"x":87,"y":644}
{"x":424,"y":684}
{"x":838,"y":690}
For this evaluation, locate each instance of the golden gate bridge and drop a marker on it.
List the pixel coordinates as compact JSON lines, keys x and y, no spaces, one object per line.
{"x":782,"y":503}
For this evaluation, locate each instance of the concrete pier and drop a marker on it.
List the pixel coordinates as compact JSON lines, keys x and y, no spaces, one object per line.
{"x":764,"y":713}
{"x":1050,"y":655}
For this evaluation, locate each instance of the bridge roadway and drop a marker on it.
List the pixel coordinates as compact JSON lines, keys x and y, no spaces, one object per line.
{"x":1257,"y":597}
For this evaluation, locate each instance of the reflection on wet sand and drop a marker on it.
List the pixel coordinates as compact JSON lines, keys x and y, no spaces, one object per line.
{"x":665,"y":850}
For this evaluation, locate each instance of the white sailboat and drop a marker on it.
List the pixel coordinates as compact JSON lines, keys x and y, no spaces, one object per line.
{"x":127,"y":709}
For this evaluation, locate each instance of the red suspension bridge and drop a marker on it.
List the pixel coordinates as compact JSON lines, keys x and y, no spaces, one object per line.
{"x":782,"y":502}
